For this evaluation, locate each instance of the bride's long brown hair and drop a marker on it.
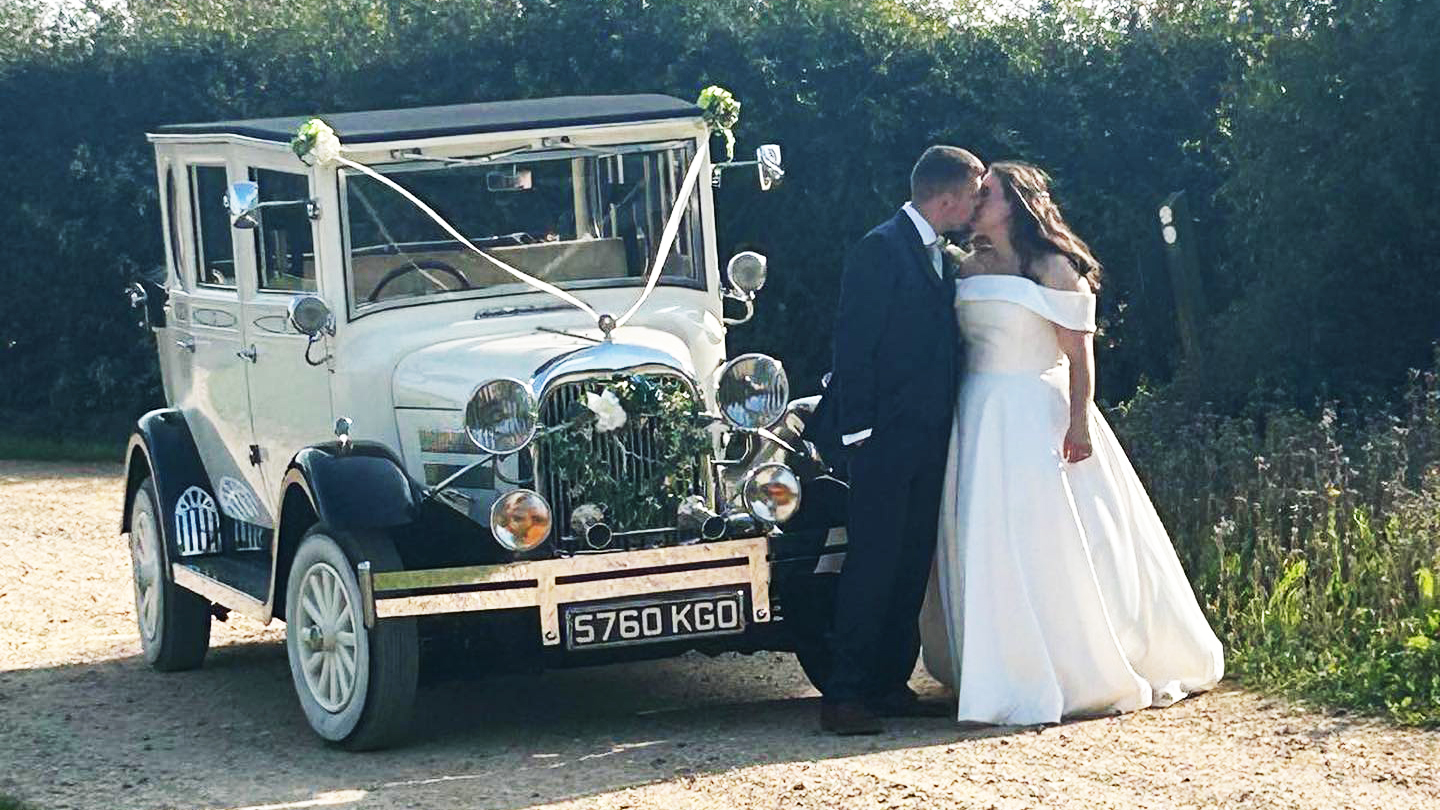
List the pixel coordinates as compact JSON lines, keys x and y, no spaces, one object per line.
{"x":1036,"y":226}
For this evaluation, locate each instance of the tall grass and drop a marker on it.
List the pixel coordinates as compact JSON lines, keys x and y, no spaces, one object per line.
{"x":1313,"y":539}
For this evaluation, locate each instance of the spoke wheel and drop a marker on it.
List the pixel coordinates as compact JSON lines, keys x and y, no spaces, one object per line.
{"x":145,"y":560}
{"x":356,"y":685}
{"x":174,"y":623}
{"x":329,"y":646}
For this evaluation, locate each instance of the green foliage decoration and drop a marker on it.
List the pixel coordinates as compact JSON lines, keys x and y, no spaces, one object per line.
{"x":655,"y":473}
{"x":306,"y":137}
{"x":722,"y":114}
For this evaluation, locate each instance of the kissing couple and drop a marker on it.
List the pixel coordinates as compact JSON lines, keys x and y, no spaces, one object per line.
{"x":961,"y":401}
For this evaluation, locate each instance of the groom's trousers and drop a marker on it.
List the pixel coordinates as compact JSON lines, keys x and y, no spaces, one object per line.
{"x":895,"y":485}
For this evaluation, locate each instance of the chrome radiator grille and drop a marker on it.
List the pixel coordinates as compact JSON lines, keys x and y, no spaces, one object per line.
{"x":640,"y":465}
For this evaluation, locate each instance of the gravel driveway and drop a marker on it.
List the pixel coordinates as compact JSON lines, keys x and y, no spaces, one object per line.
{"x":85,"y":724}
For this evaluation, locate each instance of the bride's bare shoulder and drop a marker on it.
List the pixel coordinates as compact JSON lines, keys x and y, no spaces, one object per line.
{"x":1056,"y":272}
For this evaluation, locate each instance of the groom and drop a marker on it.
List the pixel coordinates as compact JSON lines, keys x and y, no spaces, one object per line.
{"x":887,"y":412}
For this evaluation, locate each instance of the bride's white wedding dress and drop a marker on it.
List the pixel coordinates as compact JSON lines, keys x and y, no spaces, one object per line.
{"x":1059,"y":592}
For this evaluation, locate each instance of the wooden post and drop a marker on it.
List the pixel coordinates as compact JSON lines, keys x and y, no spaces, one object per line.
{"x":1177,"y":230}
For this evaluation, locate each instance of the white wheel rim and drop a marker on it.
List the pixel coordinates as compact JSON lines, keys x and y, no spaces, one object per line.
{"x":145,"y":561}
{"x":328,"y":642}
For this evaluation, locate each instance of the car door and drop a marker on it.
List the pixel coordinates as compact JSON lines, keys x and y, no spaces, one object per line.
{"x":172,"y":340}
{"x":207,"y":324}
{"x":289,"y":379}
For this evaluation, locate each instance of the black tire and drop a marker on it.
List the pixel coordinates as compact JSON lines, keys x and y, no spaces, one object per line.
{"x":809,"y":604}
{"x":174,"y":623}
{"x":370,"y":705}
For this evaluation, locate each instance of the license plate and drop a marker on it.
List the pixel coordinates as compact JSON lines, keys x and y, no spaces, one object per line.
{"x":613,"y":624}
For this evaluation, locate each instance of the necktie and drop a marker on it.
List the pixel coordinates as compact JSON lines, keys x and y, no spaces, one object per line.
{"x":935,"y":261}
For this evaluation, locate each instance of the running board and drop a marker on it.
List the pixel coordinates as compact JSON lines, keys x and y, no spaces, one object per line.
{"x":218,"y":592}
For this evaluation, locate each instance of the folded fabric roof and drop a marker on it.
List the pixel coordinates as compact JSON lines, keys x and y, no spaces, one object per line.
{"x":457,"y":119}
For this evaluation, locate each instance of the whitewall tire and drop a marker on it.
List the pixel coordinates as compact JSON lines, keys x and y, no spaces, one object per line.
{"x":174,"y":623}
{"x":356,"y":686}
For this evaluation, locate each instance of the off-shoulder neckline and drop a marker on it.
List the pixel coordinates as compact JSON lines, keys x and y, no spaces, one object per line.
{"x":1026,"y":280}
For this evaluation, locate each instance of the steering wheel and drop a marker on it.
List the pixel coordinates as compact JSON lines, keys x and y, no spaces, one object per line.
{"x":415,"y":266}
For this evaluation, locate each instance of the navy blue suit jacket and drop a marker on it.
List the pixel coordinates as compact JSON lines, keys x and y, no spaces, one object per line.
{"x":896,"y":347}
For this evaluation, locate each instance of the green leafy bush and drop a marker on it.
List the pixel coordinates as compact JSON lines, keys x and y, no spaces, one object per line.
{"x":853,"y":89}
{"x":1313,"y":542}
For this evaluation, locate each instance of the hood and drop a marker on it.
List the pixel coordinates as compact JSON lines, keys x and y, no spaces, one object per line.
{"x":443,"y":375}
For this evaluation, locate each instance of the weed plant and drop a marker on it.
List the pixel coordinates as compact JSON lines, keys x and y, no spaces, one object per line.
{"x":1313,"y":539}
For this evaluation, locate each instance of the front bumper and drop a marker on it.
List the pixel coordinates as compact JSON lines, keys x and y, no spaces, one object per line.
{"x":548,"y":584}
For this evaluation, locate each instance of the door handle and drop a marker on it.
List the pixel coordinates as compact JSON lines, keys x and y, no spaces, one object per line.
{"x":248,"y":353}
{"x":186,"y":343}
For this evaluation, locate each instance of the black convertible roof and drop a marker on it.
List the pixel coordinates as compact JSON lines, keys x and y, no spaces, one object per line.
{"x":457,"y":119}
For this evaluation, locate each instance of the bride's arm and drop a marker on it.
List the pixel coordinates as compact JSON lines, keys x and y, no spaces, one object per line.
{"x":1079,"y":347}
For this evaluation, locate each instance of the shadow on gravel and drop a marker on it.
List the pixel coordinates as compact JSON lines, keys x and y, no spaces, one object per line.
{"x":117,"y":735}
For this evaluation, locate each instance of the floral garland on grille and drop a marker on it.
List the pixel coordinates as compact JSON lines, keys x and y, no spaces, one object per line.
{"x":654,"y":475}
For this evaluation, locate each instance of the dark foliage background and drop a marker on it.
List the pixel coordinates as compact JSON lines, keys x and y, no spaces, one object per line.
{"x":1303,"y":130}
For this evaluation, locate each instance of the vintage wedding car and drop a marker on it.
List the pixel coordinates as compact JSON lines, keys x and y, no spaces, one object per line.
{"x":384,"y":431}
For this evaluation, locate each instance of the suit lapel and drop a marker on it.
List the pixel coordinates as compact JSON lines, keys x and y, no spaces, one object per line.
{"x":921,"y":258}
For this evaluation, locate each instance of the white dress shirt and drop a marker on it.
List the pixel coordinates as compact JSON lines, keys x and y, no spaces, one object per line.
{"x":931,"y":241}
{"x":928,"y":237}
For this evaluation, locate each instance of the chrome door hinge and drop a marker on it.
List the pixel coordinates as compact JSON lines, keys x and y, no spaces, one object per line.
{"x":248,"y":353}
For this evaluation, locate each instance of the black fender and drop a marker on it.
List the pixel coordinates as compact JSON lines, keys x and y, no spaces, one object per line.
{"x":162,"y":448}
{"x":824,"y":503}
{"x":361,"y":487}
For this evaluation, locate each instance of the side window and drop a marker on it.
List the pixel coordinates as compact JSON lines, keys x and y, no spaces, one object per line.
{"x":172,"y":227}
{"x":216,"y":267}
{"x":284,"y":242}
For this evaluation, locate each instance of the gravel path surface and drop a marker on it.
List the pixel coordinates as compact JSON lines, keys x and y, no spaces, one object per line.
{"x":85,"y":724}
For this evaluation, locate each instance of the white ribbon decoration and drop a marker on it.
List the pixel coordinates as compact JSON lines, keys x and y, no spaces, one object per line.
{"x":667,"y":236}
{"x":327,"y":150}
{"x":543,"y":286}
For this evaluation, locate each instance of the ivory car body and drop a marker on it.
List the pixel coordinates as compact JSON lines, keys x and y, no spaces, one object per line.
{"x":363,"y":410}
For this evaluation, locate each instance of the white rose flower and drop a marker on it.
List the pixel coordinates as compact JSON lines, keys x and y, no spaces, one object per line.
{"x":609,"y":413}
{"x":327,"y":145}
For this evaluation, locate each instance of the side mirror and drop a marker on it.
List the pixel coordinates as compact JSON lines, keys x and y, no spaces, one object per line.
{"x":310,"y":315}
{"x":767,"y":162}
{"x":767,"y":157}
{"x":242,"y":200}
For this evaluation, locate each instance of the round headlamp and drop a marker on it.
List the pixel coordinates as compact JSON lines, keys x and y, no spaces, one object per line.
{"x":772,"y":493}
{"x":752,"y":391}
{"x":500,"y":417}
{"x":520,"y":520}
{"x":746,"y":271}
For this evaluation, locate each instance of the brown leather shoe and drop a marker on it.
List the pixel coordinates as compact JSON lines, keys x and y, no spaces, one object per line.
{"x":848,"y":719}
{"x":905,"y":703}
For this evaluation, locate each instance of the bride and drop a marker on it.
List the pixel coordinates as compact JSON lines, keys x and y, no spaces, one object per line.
{"x":1059,"y":592}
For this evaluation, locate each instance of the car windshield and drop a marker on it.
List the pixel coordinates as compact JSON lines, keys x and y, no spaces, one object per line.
{"x":583,"y":217}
